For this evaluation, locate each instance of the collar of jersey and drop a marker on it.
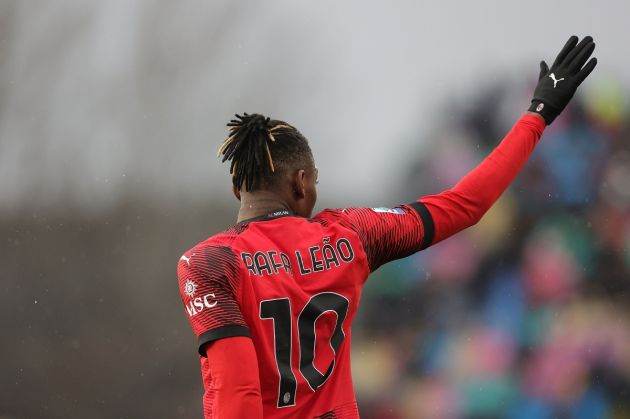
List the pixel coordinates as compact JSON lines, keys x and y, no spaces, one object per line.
{"x":272,"y":215}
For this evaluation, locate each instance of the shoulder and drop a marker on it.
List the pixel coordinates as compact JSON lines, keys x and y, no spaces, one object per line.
{"x":214,"y":253}
{"x":356,"y":218}
{"x":211,"y":263}
{"x":334,"y":216}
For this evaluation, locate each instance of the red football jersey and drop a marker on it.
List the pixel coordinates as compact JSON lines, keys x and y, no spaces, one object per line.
{"x":293,"y":285}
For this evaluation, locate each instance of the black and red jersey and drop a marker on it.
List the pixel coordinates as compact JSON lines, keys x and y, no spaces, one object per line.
{"x":294,"y":284}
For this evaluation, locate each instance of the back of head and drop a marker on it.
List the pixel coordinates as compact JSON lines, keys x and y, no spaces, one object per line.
{"x":262,"y":151}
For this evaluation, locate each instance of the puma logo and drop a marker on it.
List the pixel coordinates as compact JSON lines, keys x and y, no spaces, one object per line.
{"x":555,"y":81}
{"x":185,"y":259}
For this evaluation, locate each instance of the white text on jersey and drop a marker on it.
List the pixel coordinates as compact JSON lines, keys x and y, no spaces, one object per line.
{"x":197,"y":305}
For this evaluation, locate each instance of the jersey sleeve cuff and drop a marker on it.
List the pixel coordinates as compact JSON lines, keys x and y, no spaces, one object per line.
{"x":427,"y":223}
{"x":534,"y":121}
{"x":228,"y":331}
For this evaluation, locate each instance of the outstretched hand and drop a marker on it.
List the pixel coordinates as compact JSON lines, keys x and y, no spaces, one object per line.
{"x":557,"y":85}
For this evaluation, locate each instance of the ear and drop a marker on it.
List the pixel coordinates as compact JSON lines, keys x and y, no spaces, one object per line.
{"x":236,"y":192}
{"x":299,"y":184}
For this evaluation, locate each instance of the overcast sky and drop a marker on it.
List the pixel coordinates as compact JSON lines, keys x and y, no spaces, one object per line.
{"x":100,"y":101}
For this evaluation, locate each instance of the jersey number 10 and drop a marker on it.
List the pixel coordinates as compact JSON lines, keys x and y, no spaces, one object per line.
{"x":279,"y":310}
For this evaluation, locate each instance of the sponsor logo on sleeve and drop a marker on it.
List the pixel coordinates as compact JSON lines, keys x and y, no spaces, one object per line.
{"x":197,"y":304}
{"x":396,"y":210}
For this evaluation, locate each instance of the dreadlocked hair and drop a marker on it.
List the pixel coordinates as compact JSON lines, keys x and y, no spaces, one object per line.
{"x":261,"y":150}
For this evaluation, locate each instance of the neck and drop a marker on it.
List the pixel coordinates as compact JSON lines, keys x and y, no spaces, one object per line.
{"x":256,"y":204}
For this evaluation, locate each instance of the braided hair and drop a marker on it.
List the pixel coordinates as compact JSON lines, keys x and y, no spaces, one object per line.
{"x":261,"y":150}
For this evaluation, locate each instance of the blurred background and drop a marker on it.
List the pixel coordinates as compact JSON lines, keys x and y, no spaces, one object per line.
{"x":110,"y":117}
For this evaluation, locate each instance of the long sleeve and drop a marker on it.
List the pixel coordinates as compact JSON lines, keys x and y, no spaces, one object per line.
{"x":209,"y":278}
{"x":231,"y":382}
{"x":463,"y":205}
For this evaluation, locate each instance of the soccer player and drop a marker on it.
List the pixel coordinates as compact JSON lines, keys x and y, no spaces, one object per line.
{"x":272,"y":298}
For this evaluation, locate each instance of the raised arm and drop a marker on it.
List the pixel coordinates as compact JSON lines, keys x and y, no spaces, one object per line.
{"x":464,"y":205}
{"x":392,"y":233}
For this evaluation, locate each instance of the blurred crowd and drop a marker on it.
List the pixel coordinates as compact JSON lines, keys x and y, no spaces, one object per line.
{"x":525,"y":315}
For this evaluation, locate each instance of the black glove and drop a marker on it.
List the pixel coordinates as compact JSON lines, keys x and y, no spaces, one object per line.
{"x":556,"y":86}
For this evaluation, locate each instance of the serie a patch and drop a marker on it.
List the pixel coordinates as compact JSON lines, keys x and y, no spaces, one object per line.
{"x":396,"y":210}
